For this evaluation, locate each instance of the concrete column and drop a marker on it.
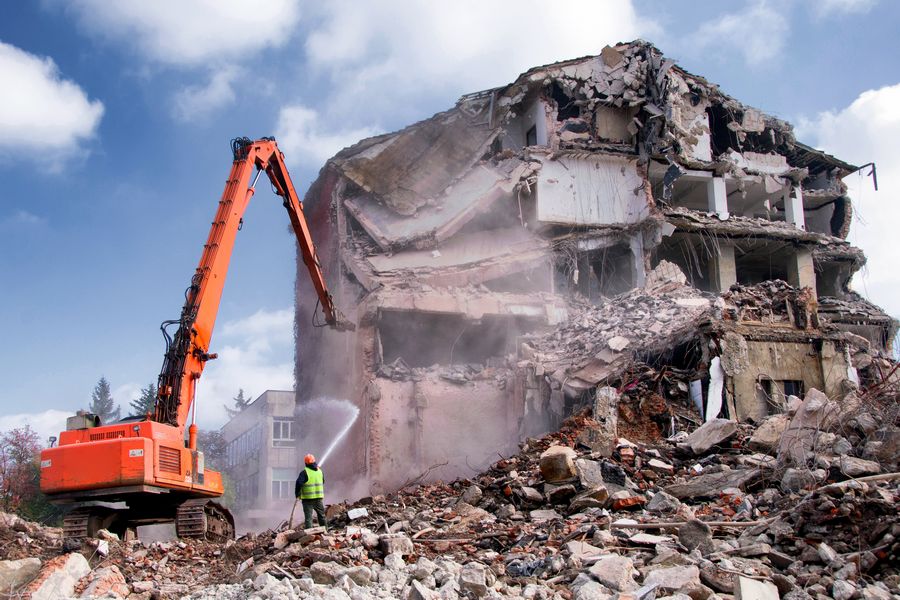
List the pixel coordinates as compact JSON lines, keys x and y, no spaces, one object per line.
{"x":636,"y":245}
{"x":717,"y":197}
{"x":722,"y":268}
{"x":801,"y":271}
{"x":793,"y":206}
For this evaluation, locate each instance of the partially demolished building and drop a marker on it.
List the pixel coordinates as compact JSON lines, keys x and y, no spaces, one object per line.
{"x":512,"y":257}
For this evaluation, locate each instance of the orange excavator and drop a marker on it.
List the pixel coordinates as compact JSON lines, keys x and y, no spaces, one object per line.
{"x":141,"y":470}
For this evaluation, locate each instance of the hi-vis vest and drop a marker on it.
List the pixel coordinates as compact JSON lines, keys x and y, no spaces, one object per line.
{"x":314,"y":488}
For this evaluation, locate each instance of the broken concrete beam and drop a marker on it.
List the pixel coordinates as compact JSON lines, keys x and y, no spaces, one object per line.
{"x":710,"y":485}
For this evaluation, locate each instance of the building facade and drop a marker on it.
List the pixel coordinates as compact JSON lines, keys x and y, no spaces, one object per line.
{"x":486,"y":254}
{"x":261,"y":456}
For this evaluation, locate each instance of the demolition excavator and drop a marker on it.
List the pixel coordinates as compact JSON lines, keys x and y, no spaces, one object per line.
{"x":143,"y":470}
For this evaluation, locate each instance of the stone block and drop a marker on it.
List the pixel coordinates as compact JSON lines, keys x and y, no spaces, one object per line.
{"x":557,"y":463}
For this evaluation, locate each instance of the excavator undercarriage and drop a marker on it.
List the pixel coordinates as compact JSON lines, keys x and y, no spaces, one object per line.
{"x":196,"y":518}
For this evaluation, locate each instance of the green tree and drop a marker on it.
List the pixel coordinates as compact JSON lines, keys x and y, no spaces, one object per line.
{"x":102,"y":403}
{"x":240,"y":403}
{"x":146,"y":402}
{"x":212,"y":443}
{"x":20,"y":476}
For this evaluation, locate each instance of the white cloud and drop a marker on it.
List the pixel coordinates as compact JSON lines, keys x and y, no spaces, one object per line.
{"x":758,"y":32}
{"x":45,"y":424}
{"x":380,"y":55}
{"x":40,"y":111}
{"x":199,"y":101}
{"x":841,"y":7}
{"x":255,"y":354}
{"x":304,"y":138}
{"x":190,"y":32}
{"x":21,"y":218}
{"x":867,"y":130}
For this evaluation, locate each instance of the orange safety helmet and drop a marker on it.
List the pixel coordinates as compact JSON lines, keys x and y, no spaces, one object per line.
{"x":309,"y":459}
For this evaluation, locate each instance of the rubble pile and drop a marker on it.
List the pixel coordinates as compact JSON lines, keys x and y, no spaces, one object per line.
{"x":600,"y":341}
{"x":781,"y":510}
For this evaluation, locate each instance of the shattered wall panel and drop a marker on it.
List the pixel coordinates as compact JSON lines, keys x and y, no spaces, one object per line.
{"x":407,"y":169}
{"x":590,"y":191}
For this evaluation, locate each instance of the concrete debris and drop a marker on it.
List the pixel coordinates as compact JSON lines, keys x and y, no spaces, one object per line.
{"x":736,"y":531}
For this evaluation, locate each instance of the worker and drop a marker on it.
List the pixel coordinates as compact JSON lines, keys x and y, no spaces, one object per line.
{"x":310,"y":488}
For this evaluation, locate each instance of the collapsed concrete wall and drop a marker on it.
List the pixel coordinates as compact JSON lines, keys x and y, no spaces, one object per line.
{"x":507,"y":258}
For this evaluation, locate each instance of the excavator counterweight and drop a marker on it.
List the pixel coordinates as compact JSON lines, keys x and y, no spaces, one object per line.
{"x":142,"y":469}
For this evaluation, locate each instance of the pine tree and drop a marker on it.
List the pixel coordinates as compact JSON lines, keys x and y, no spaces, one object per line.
{"x":240,"y":403}
{"x":147,"y":401}
{"x":102,"y":403}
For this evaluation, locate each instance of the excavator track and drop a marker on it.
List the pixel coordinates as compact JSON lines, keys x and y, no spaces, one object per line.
{"x":76,"y":523}
{"x":205,"y":520}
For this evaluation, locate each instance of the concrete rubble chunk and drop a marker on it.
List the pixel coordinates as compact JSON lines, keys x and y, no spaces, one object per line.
{"x":57,"y":578}
{"x":746,"y":588}
{"x":615,"y":572}
{"x":858,"y":467}
{"x":590,"y":472}
{"x":582,"y":550}
{"x":357,"y":513}
{"x":325,"y":572}
{"x":396,"y":543}
{"x":15,"y":573}
{"x":795,"y":480}
{"x":417,"y":591}
{"x":544,"y":515}
{"x":473,"y":579}
{"x":618,"y":343}
{"x":663,"y":503}
{"x":712,"y":433}
{"x":661,"y":466}
{"x":558,"y":463}
{"x":694,"y":535}
{"x":768,"y":434}
{"x":674,"y":579}
{"x":472,"y":495}
{"x":813,"y":415}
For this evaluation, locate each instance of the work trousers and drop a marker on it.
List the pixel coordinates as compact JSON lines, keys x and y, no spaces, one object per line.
{"x":317,"y":505}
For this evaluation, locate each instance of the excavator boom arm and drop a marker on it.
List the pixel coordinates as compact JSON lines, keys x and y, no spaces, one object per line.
{"x":187,"y":351}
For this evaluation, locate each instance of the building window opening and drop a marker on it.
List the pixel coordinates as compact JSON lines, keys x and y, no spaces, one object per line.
{"x":754,"y":266}
{"x":282,"y":432}
{"x":283,"y":483}
{"x":566,"y":108}
{"x":426,"y":339}
{"x":531,"y":136}
{"x":598,"y":274}
{"x":793,"y":387}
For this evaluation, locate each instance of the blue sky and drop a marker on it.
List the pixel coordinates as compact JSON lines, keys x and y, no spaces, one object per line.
{"x":115,"y":121}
